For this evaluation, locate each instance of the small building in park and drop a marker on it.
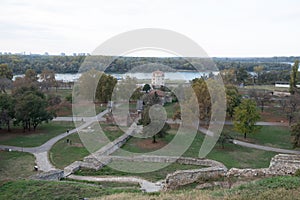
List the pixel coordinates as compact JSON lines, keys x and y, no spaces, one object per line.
{"x":158,"y":78}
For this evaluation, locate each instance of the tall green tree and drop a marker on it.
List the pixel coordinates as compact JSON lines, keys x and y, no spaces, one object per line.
{"x":7,"y":112}
{"x":125,"y":88}
{"x":295,"y":130}
{"x":6,"y":76}
{"x":294,"y":77}
{"x":31,"y":76}
{"x":146,"y":88}
{"x":242,"y":75}
{"x":47,"y":78}
{"x":258,"y":70}
{"x":88,"y":82}
{"x":31,"y":109}
{"x":245,"y":117}
{"x":105,"y":88}
{"x":233,"y":99}
{"x":149,"y":100}
{"x":200,"y":88}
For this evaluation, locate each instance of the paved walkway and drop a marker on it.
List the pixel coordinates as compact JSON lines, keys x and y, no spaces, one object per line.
{"x":146,"y":186}
{"x":254,"y":146}
{"x":265,"y":148}
{"x":41,"y":152}
{"x":171,"y":121}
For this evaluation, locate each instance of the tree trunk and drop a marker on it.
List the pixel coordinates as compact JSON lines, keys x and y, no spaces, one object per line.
{"x":154,"y":139}
{"x":8,"y":126}
{"x":245,"y":135}
{"x":34,"y":126}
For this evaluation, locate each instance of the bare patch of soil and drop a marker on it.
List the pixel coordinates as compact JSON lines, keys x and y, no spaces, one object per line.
{"x":148,"y":144}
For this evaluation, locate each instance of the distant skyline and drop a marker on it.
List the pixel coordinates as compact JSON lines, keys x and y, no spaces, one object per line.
{"x":229,"y":28}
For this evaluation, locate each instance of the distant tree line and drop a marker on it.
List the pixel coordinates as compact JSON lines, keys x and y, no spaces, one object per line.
{"x":71,"y":64}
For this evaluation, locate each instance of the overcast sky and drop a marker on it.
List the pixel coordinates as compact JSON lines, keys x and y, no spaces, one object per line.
{"x":221,"y":28}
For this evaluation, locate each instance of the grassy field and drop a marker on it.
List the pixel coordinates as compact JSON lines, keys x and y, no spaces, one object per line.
{"x":62,"y":153}
{"x":16,"y":165}
{"x":43,"y":133}
{"x":265,"y":87}
{"x":171,"y":108}
{"x":273,"y":136}
{"x":232,"y":155}
{"x":44,"y":190}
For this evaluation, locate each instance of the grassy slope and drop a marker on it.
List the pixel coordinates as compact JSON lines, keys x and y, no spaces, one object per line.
{"x":14,"y":165}
{"x":43,"y":190}
{"x":287,"y":188}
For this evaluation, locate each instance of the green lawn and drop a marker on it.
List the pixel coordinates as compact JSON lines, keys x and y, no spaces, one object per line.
{"x":232,"y":155}
{"x":44,"y":190}
{"x":171,"y":108}
{"x":264,"y":87}
{"x":62,"y":153}
{"x":15,"y":165}
{"x":111,"y":131}
{"x":151,"y":176}
{"x":43,"y":133}
{"x":273,"y":136}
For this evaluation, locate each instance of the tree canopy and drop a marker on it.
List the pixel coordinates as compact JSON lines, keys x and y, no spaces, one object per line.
{"x":245,"y":117}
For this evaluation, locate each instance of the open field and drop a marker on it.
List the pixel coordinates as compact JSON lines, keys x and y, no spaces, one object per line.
{"x":273,"y":136}
{"x":16,"y":165}
{"x":62,"y":153}
{"x":232,"y":155}
{"x":265,"y":87}
{"x":43,"y":133}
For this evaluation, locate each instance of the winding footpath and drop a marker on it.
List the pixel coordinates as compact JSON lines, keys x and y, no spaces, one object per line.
{"x":41,"y":152}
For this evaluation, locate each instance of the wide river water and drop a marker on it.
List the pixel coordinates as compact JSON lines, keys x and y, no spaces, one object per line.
{"x":187,"y":76}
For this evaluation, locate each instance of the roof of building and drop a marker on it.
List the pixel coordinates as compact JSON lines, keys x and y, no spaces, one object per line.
{"x":158,"y":73}
{"x":158,"y":92}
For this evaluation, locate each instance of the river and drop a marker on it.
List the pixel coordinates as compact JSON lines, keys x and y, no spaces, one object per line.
{"x":187,"y":76}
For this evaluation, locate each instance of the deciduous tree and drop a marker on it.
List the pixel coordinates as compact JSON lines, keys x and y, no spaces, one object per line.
{"x":245,"y":117}
{"x":6,"y":76}
{"x":294,"y":77}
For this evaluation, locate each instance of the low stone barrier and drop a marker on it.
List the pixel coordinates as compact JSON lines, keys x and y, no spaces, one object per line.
{"x":184,"y":177}
{"x":52,"y":175}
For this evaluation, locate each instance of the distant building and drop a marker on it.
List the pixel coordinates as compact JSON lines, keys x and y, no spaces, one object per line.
{"x":158,"y":78}
{"x":63,"y":54}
